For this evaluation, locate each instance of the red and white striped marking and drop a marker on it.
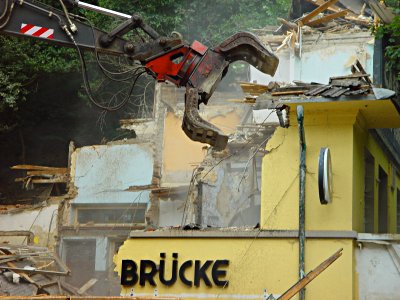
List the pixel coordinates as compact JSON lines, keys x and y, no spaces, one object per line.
{"x":37,"y":31}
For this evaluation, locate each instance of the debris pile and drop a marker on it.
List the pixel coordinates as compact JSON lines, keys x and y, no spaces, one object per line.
{"x":331,"y":16}
{"x":356,"y":84}
{"x":41,"y":175}
{"x":29,"y":270}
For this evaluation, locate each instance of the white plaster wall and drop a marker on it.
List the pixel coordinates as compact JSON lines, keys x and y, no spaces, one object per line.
{"x":322,"y":58}
{"x":378,"y":277}
{"x":171,"y":212}
{"x":38,"y":221}
{"x":103,"y":173}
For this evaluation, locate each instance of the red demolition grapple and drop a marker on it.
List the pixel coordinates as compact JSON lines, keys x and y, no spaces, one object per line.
{"x":200,"y":69}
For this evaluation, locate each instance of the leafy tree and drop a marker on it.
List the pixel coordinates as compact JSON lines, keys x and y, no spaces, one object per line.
{"x":209,"y":21}
{"x":21,"y":63}
{"x":392,"y":33}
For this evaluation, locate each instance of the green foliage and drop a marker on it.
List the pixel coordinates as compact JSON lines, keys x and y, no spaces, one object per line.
{"x":22,"y":61}
{"x":209,"y":21}
{"x":392,"y":51}
{"x":212,"y":21}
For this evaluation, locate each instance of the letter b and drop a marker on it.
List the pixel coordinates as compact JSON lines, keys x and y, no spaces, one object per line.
{"x":129,"y":272}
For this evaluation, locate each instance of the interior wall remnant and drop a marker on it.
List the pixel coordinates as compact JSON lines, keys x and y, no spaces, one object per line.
{"x":42,"y":222}
{"x":229,"y":189}
{"x":223,"y":187}
{"x":181,"y":155}
{"x":378,"y":269}
{"x":336,"y":52}
{"x":103,"y":173}
{"x":172,"y":212}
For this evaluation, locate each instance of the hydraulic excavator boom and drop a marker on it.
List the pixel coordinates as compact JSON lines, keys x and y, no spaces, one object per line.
{"x":194,"y":66}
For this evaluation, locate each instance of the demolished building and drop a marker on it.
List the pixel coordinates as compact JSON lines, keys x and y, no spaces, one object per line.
{"x":161,"y":193}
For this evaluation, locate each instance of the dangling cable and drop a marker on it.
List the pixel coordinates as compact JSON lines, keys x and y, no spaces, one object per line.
{"x":89,"y":91}
{"x":104,"y":69}
{"x":9,"y":11}
{"x":106,"y":72}
{"x":5,"y":10}
{"x":72,"y":26}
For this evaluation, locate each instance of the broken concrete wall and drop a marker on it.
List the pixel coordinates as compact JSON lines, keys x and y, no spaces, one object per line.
{"x":230,"y":192}
{"x":322,"y":56}
{"x":220,"y":201}
{"x":104,"y":173}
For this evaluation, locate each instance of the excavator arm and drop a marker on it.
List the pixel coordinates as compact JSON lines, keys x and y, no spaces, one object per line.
{"x":196,"y":67}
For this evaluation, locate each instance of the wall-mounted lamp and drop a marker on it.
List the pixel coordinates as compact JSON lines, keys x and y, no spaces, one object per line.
{"x":325,"y":176}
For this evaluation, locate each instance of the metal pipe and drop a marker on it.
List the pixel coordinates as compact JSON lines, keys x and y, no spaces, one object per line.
{"x":302,"y":192}
{"x":102,"y":10}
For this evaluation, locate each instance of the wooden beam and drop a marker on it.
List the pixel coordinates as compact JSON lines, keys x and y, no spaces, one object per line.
{"x":272,"y":39}
{"x":362,"y":70}
{"x":335,"y":9}
{"x":327,"y":18}
{"x":349,"y":76}
{"x":315,"y":12}
{"x":298,"y":92}
{"x":87,"y":286}
{"x":288,"y":24}
{"x":46,"y":172}
{"x":384,"y":13}
{"x":28,"y":234}
{"x":35,"y":167}
{"x":14,"y":268}
{"x":58,"y":179}
{"x":290,"y":293}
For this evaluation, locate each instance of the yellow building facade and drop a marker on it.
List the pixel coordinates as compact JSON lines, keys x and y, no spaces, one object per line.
{"x":236,"y":263}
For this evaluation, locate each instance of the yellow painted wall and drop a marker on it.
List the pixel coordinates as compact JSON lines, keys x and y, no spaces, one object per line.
{"x":255,"y":265}
{"x":359,"y":141}
{"x":280,"y":180}
{"x":364,"y":140}
{"x":346,"y":134}
{"x":181,"y":153}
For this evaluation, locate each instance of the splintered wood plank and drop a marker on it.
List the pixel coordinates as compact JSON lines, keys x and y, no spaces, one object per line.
{"x":327,"y":18}
{"x":349,"y":76}
{"x":335,"y":9}
{"x":87,"y":286}
{"x":290,"y":293}
{"x":46,"y":172}
{"x":13,"y":267}
{"x":36,"y":167}
{"x":291,"y":25}
{"x":253,"y":88}
{"x":285,"y":93}
{"x":384,"y":13}
{"x":322,"y":6}
{"x":58,"y":179}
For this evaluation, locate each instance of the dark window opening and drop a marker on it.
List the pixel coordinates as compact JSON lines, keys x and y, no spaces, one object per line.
{"x":382,"y":202}
{"x":112,"y":215}
{"x":369,"y":180}
{"x":80,"y":258}
{"x":398,"y":210}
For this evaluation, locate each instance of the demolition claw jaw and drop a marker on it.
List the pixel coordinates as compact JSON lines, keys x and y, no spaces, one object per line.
{"x":198,"y":129}
{"x":207,"y":74}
